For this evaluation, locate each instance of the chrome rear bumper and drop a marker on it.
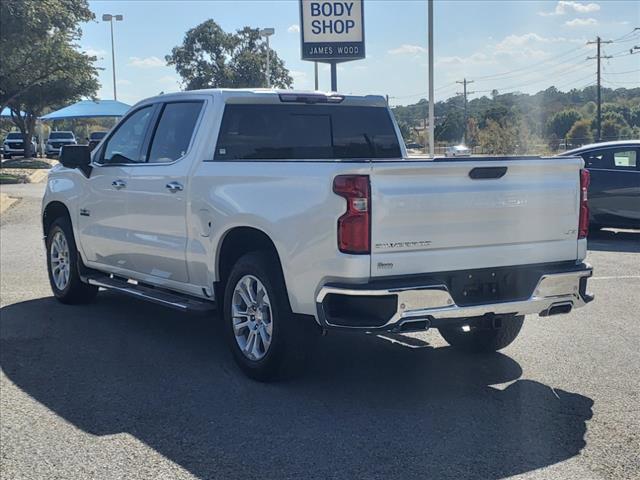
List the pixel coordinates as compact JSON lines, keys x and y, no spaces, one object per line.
{"x":554,"y":293}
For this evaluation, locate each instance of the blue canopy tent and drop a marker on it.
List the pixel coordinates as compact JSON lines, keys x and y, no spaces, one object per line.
{"x":88,"y":109}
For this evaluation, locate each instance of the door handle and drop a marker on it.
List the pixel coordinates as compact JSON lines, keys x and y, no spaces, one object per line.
{"x":118,"y":184}
{"x":174,"y":187}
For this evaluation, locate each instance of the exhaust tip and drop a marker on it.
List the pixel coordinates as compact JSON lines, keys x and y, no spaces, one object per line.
{"x":414,"y":326}
{"x":559,"y":308}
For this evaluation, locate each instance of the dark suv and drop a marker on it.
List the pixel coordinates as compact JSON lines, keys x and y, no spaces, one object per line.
{"x":614,"y":192}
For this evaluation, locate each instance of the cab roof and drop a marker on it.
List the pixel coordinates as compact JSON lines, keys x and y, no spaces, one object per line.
{"x":275,"y":96}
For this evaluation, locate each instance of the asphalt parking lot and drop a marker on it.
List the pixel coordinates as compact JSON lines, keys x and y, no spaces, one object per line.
{"x":124,"y":389}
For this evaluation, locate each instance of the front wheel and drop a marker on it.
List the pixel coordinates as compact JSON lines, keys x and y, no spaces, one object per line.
{"x":479,"y":337}
{"x":266,"y":339}
{"x":62,"y":265}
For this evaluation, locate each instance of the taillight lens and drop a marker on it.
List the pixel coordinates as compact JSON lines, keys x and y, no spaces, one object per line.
{"x":354,"y":225}
{"x":583,"y":223}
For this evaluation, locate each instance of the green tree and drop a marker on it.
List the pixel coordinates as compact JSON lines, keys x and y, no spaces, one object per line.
{"x":452,"y":129}
{"x":495,"y":139}
{"x":610,"y":130}
{"x":580,"y":133}
{"x":209,"y":57}
{"x":77,"y":81}
{"x":32,"y":35}
{"x":561,"y":122}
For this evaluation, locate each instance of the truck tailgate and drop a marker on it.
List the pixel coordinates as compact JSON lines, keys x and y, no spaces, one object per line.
{"x":432,"y":216}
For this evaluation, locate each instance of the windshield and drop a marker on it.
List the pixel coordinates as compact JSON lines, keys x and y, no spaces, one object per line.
{"x":14,"y":136}
{"x":287,"y":132}
{"x":60,"y":135}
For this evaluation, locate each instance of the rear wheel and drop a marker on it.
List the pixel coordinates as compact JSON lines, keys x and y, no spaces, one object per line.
{"x":63,"y":267}
{"x":483,"y":337}
{"x":266,"y":339}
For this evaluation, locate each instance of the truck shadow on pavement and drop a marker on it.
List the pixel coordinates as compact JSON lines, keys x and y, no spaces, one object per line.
{"x":366,"y":407}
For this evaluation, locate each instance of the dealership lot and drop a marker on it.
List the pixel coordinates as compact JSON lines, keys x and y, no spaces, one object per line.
{"x":123,"y":389}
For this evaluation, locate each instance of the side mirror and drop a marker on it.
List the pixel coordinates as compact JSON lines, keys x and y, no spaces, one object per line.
{"x":76,"y":156}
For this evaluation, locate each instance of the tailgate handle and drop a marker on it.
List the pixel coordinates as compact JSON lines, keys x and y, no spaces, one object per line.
{"x":487,"y":172}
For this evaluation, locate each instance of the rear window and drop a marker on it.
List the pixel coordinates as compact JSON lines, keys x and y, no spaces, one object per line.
{"x":287,"y":132}
{"x":97,"y":135}
{"x":14,"y":136}
{"x":58,"y":135}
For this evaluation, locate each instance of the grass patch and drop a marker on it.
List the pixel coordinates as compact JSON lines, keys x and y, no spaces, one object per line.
{"x":26,"y":163}
{"x":7,"y":178}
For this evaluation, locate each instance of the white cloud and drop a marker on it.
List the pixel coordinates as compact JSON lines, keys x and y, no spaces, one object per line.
{"x":168,"y":79}
{"x":581,"y":22}
{"x":123,"y":81}
{"x":297,"y":74}
{"x":407,"y":49}
{"x":477,"y":58}
{"x":563,"y":7}
{"x":147,"y":62}
{"x":93,"y":52}
{"x":294,"y":28}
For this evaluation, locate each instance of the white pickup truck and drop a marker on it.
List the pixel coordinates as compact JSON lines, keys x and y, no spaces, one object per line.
{"x":297,"y":213}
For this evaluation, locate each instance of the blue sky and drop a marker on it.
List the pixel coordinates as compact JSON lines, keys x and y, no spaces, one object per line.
{"x":507,"y":45}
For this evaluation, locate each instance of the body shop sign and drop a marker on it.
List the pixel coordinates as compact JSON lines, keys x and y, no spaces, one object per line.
{"x":332,"y":31}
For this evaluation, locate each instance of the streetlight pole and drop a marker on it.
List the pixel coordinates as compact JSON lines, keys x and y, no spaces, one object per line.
{"x":107,"y":17}
{"x":431,"y":96}
{"x":267,"y":32}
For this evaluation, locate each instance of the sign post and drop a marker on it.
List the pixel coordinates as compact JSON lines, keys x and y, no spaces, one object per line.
{"x":332,"y":32}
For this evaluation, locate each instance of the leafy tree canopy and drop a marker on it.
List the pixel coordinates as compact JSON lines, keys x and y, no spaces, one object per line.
{"x":209,"y":57}
{"x":36,"y":42}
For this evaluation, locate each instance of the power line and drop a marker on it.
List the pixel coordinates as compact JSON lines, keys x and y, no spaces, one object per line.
{"x":528,"y":67}
{"x":621,"y":73}
{"x":626,"y":35}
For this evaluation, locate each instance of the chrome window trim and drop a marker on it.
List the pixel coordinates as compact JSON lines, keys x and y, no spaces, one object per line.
{"x":203,"y":101}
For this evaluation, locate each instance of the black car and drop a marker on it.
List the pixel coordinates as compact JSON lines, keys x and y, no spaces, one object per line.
{"x":94,"y":139}
{"x":614,"y":191}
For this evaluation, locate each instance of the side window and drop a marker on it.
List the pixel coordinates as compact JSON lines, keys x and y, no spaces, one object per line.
{"x":125,"y":145}
{"x":625,"y":159}
{"x":597,"y":159}
{"x":174,"y":131}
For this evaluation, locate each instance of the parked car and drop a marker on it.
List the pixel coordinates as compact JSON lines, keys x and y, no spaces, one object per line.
{"x":458,"y":151}
{"x":296,"y":213}
{"x":414,"y":145}
{"x":614,"y":191}
{"x":57,"y":140}
{"x":95,"y":138}
{"x":13,"y":145}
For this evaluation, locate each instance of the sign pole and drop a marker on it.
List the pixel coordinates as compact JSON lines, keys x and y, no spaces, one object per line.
{"x":331,"y":32}
{"x":334,"y":77}
{"x":315,"y":73}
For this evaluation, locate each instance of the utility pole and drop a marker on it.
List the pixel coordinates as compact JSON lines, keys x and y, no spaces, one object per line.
{"x":432,"y":147}
{"x":464,"y":93}
{"x":598,"y":57}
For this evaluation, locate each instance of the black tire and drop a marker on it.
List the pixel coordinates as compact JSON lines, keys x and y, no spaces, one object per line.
{"x":481,"y":338}
{"x":292,"y":335}
{"x":75,"y":291}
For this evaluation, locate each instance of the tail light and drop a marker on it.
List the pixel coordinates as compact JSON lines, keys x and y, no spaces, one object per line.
{"x":583,"y":223}
{"x":354,"y":226}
